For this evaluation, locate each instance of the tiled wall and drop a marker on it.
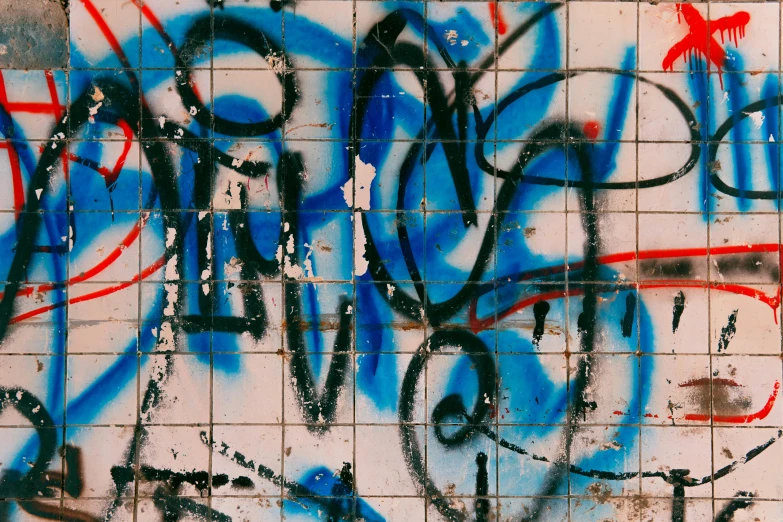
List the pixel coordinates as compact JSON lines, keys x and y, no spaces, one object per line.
{"x":404,"y":261}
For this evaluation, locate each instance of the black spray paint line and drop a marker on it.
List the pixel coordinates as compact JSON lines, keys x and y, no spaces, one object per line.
{"x":675,"y":476}
{"x":333,"y":505}
{"x":174,"y":508}
{"x":39,"y":482}
{"x":318,"y":408}
{"x":586,"y":326}
{"x":741,"y":501}
{"x":629,"y":316}
{"x":716,"y":140}
{"x":727,"y":332}
{"x":482,"y":488}
{"x":450,"y":407}
{"x":678,"y":502}
{"x":540,"y":310}
{"x":165,"y":187}
{"x":679,"y":308}
{"x":381,"y":50}
{"x":236,"y":31}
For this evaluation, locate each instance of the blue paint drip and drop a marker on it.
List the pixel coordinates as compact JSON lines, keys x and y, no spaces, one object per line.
{"x":738,"y":99}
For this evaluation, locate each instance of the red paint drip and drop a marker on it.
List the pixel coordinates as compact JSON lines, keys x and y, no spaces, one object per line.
{"x":591,"y":130}
{"x":699,"y":40}
{"x":497,"y":18}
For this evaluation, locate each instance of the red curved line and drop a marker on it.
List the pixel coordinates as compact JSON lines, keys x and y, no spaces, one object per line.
{"x":107,"y":32}
{"x":155,"y":22}
{"x":108,"y":260}
{"x":134,"y":233}
{"x":773,"y":302}
{"x":93,"y":295}
{"x":111,"y":176}
{"x":478,"y":325}
{"x":95,"y":270}
{"x":740,"y":419}
{"x":158,"y":26}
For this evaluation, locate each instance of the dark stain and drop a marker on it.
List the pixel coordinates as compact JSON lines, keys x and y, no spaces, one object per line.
{"x":679,"y":268}
{"x":726,"y":399}
{"x":753,"y":263}
{"x":600,"y":492}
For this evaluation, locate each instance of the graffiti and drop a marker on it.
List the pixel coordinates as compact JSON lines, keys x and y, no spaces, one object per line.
{"x":392,"y":261}
{"x":698,"y":41}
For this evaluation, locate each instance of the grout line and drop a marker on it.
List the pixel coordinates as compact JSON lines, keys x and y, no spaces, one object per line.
{"x":637,"y":317}
{"x":210,"y":261}
{"x":136,"y":445}
{"x":709,"y":294}
{"x":495,"y":218}
{"x":566,"y":322}
{"x":283,"y":283}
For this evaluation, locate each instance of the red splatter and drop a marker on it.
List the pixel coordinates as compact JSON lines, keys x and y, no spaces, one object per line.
{"x":700,"y":42}
{"x":497,"y":18}
{"x":591,"y":129}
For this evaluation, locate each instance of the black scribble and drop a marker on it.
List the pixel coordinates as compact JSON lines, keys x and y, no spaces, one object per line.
{"x":728,"y":332}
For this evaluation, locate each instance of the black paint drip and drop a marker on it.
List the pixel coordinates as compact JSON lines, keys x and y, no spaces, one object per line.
{"x":679,"y":308}
{"x":630,"y":308}
{"x":346,"y":477}
{"x":728,"y":331}
{"x":482,"y":488}
{"x":540,"y":309}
